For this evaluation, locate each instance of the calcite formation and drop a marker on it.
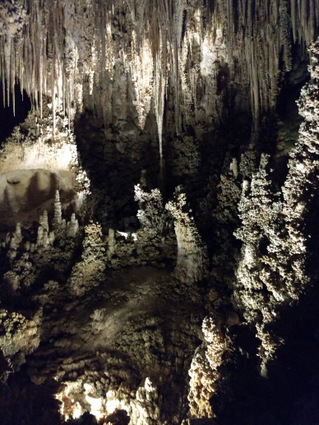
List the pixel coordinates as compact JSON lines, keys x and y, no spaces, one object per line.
{"x":159,"y":212}
{"x":134,"y":58}
{"x":191,"y":253}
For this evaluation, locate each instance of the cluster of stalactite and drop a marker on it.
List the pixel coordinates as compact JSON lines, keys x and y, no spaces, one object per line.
{"x":117,"y":57}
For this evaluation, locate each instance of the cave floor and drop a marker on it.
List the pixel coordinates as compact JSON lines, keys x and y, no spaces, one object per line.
{"x":139,"y":323}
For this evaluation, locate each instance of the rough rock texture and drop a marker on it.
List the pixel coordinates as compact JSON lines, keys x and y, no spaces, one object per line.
{"x":19,"y":336}
{"x":273,"y":267}
{"x":159,"y":212}
{"x":191,"y":253}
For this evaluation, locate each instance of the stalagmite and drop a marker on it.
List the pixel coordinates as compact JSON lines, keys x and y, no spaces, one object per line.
{"x":40,"y":236}
{"x":51,"y":237}
{"x":17,"y":233}
{"x":191,"y":252}
{"x":111,"y":243}
{"x":73,"y":226}
{"x":45,"y":239}
{"x":57,"y":218}
{"x":44,"y":222}
{"x":16,"y":238}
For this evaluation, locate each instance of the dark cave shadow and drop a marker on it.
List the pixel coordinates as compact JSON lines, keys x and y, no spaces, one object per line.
{"x":295,"y":375}
{"x":289,"y":394}
{"x":18,"y":207}
{"x":119,"y":417}
{"x":112,"y":173}
{"x":25,"y":403}
{"x":7,"y":119}
{"x":35,"y":195}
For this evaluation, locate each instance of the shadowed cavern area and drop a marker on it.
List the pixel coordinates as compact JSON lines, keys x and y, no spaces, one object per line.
{"x":159,"y":212}
{"x":12,"y":114}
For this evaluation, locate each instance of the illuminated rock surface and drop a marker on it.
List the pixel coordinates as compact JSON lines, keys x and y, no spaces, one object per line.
{"x":159,"y":212}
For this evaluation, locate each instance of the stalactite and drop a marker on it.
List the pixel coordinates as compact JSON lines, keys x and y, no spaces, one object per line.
{"x":159,"y":101}
{"x":176,"y":43}
{"x":13,"y":77}
{"x":141,"y":69}
{"x":44,"y":46}
{"x":7,"y":55}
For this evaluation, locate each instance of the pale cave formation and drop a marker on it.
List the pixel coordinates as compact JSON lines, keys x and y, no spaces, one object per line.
{"x":159,"y":212}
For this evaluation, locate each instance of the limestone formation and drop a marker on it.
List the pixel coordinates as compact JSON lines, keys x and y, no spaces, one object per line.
{"x":19,"y":336}
{"x":16,"y":237}
{"x":73,"y":226}
{"x":57,"y":219}
{"x":191,"y":252}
